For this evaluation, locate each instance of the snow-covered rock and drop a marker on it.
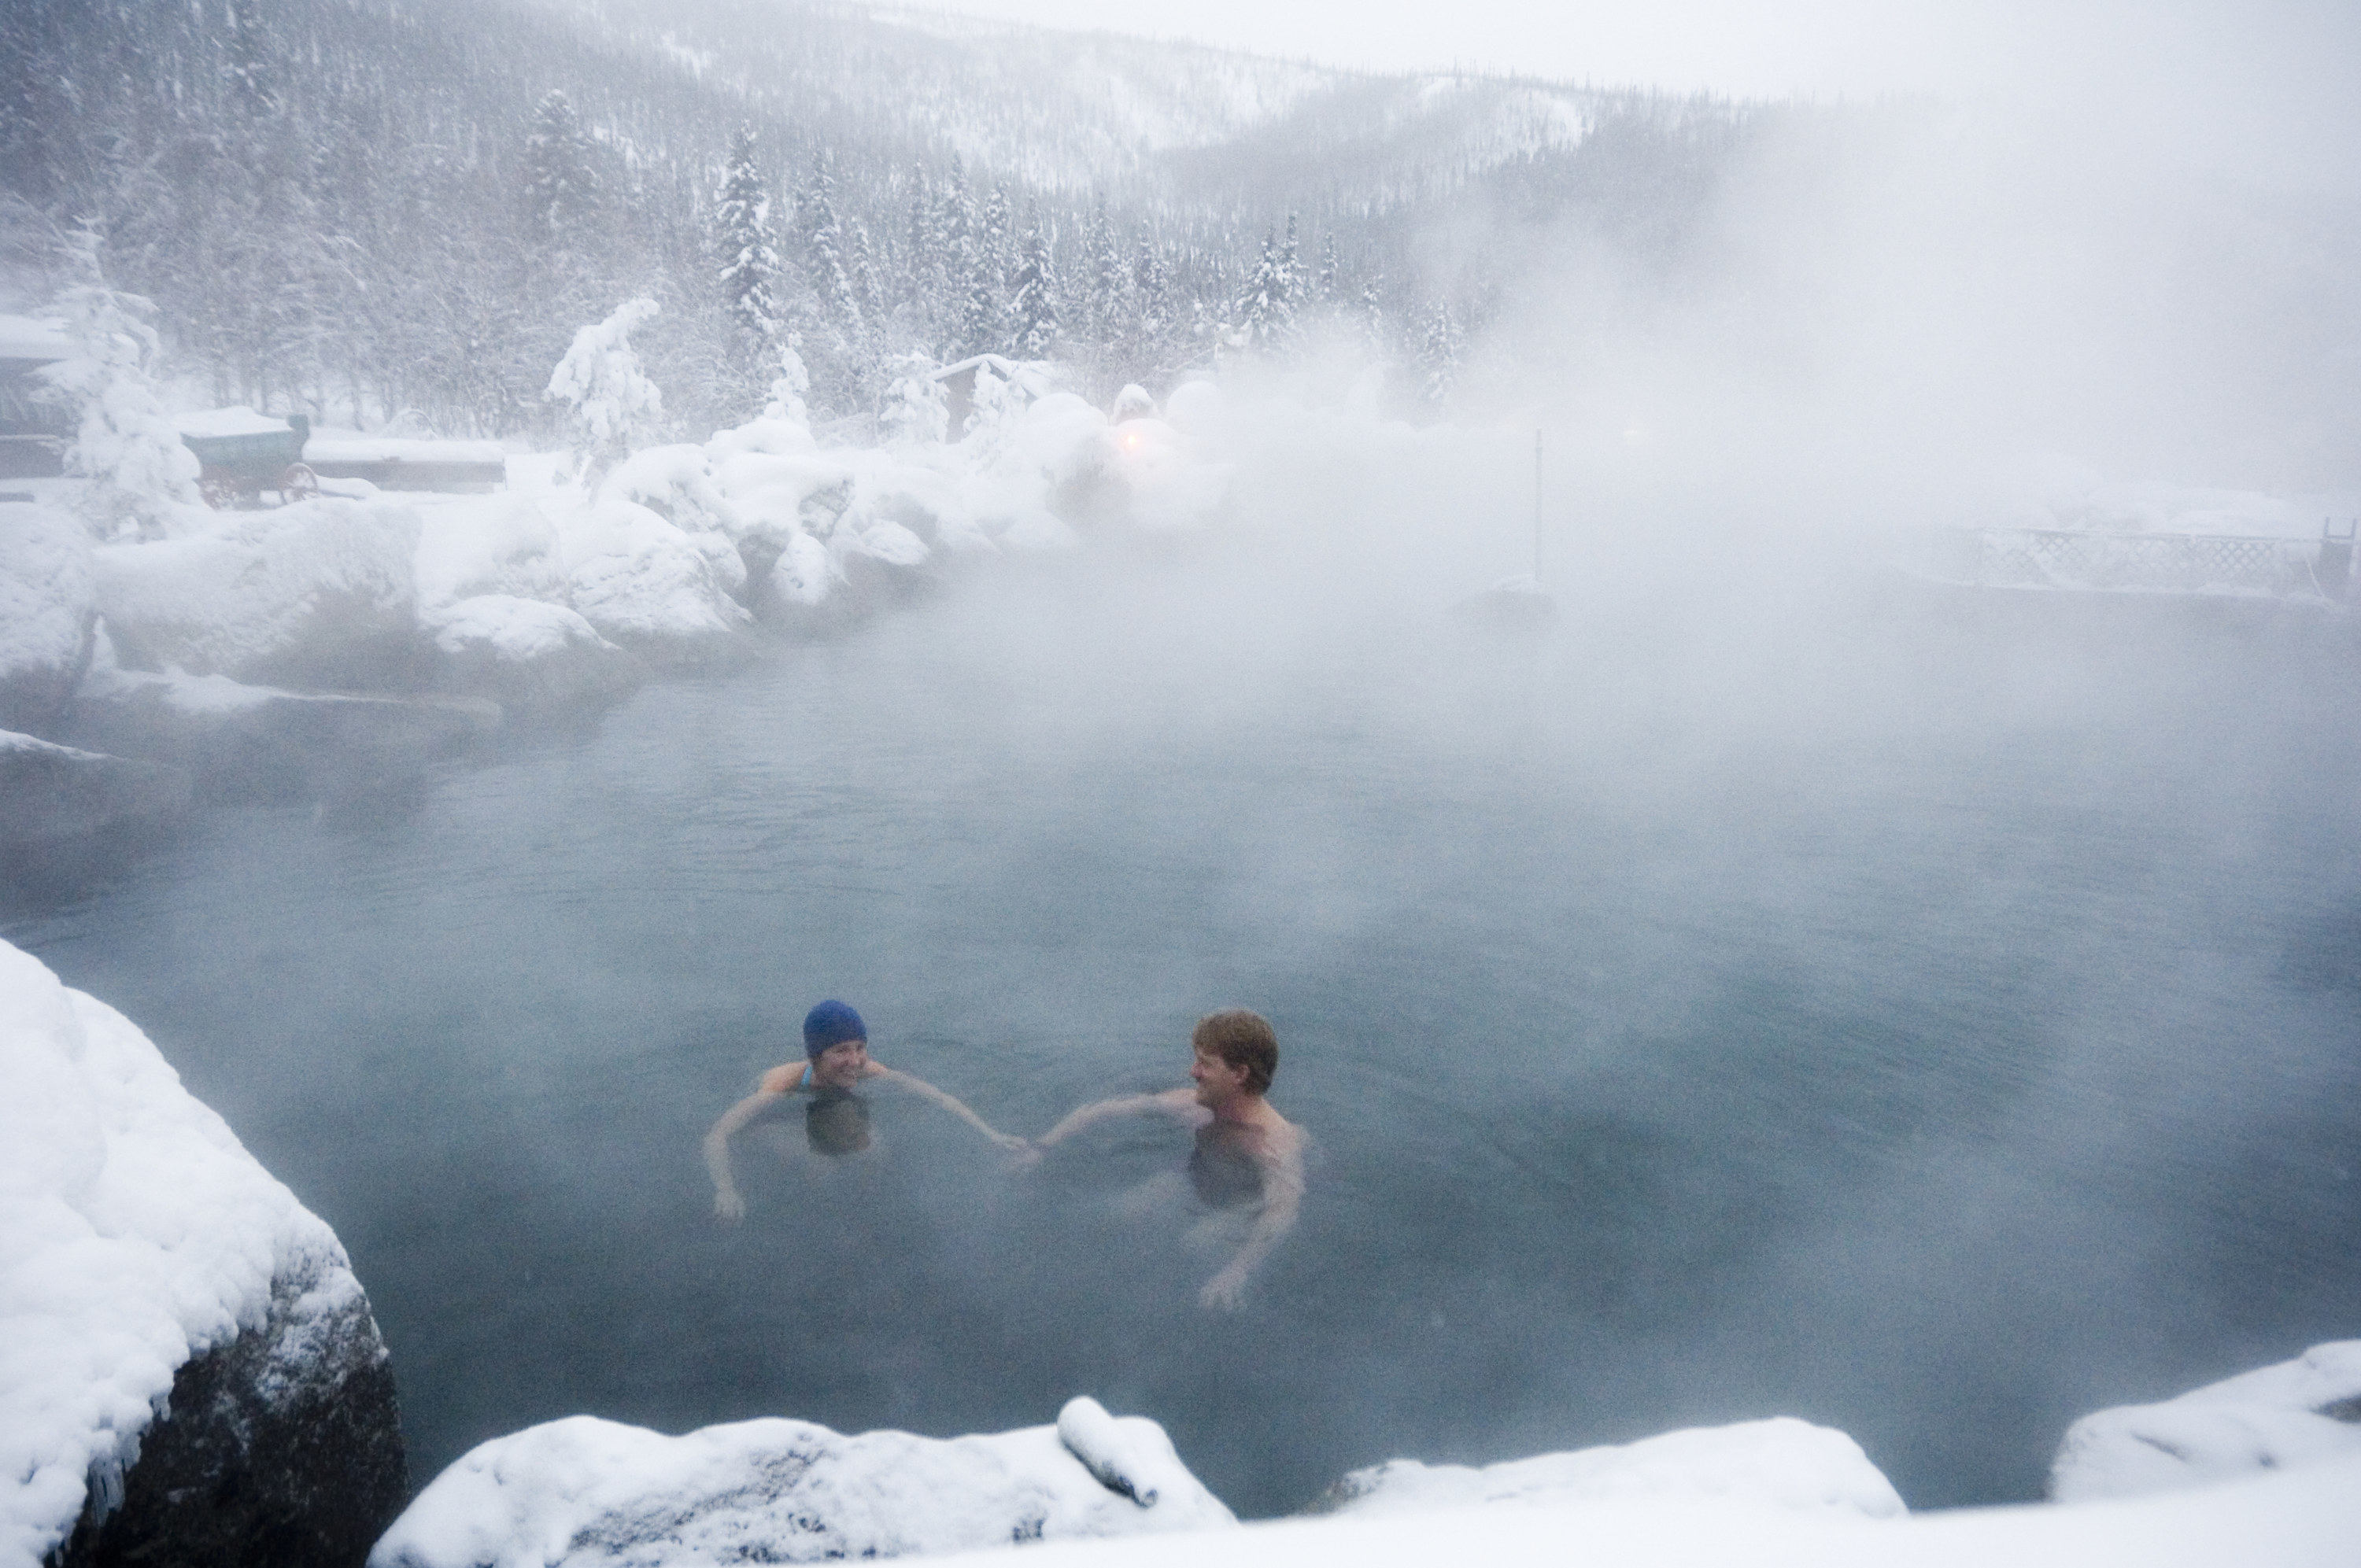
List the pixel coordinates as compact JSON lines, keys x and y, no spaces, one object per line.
{"x":525,"y":653}
{"x":317,"y":594}
{"x":58,"y":799}
{"x":583,"y":1491}
{"x":2297,"y":1412}
{"x":1780,"y":1464}
{"x":187,"y":1364}
{"x":49,"y":604}
{"x":249,"y":742}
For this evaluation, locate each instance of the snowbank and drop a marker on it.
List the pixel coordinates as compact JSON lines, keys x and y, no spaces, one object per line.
{"x":1781,"y":1462}
{"x":47,"y":605}
{"x":136,"y":1234}
{"x":2297,"y":1412}
{"x":319,"y":594}
{"x":2309,"y":1518}
{"x":583,"y":1491}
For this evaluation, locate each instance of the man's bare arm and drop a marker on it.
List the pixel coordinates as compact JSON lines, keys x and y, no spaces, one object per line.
{"x":950,"y":1103}
{"x":727,"y":1203}
{"x":1282,"y":1201}
{"x":1171,"y":1101}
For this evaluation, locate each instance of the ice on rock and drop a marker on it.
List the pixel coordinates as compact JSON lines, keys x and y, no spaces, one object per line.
{"x":2297,"y":1412}
{"x":584,"y":1492}
{"x":1781,"y":1462}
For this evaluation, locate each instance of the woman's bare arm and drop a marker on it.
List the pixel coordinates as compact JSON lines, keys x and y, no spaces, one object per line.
{"x":950,"y":1103}
{"x":727,"y":1203}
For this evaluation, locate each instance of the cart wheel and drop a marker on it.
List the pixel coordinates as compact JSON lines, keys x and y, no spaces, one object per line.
{"x":219,"y":494}
{"x":299,"y":483}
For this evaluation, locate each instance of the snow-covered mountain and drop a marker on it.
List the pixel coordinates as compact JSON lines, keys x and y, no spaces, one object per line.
{"x":357,"y":205}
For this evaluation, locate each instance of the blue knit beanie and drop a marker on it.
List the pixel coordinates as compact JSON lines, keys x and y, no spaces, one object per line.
{"x":831,"y":1024}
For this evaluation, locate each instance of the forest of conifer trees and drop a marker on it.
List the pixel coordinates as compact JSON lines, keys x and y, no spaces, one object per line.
{"x":404,"y":208}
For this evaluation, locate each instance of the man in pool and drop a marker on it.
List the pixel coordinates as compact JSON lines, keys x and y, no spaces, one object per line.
{"x":836,"y":1053}
{"x":1249,"y":1159}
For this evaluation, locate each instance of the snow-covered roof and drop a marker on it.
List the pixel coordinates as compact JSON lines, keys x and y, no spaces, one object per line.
{"x":26,"y":337}
{"x":238,"y":421}
{"x":1036,"y":377}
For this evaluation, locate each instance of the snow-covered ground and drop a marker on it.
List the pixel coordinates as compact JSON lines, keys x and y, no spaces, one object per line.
{"x":583,"y":1491}
{"x":135,"y":1233}
{"x":2305,"y":1518}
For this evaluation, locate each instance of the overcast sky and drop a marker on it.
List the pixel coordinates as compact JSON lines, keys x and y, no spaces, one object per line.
{"x":2270,"y":89}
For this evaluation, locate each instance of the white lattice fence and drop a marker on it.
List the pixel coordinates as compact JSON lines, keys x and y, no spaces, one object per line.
{"x":2174,"y":563}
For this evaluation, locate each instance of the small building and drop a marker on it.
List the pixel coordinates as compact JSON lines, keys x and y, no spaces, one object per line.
{"x":33,"y":429}
{"x":1032,"y":377}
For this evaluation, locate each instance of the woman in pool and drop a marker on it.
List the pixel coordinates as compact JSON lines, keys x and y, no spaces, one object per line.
{"x":836,"y":1053}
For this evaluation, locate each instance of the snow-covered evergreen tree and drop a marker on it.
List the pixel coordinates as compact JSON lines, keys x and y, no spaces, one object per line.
{"x":824,"y":250}
{"x":562,"y":193}
{"x":1262,"y":320}
{"x":916,"y":408}
{"x":1438,"y":356}
{"x":612,"y":405}
{"x":788,"y":388}
{"x":747,"y":249}
{"x":132,"y":462}
{"x":1327,"y":287}
{"x":1154,"y":318}
{"x":1033,"y":294}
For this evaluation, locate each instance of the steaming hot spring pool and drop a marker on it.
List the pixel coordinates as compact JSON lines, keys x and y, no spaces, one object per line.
{"x":1934,"y":1025}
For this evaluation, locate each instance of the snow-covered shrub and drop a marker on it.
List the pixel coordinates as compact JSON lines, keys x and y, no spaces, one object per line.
{"x":132,"y":462}
{"x":916,"y":410}
{"x":612,"y":403}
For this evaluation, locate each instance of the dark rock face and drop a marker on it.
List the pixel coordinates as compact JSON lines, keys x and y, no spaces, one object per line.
{"x":54,"y":798}
{"x":281,"y":746}
{"x":280,"y":1449}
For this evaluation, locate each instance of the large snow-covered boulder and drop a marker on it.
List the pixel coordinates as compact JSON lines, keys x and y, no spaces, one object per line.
{"x":2297,"y":1412}
{"x":645,"y":583}
{"x":1781,"y":1462}
{"x":528,"y":653}
{"x":582,"y":1491}
{"x":260,"y":743}
{"x":59,"y":799}
{"x":49,"y":604}
{"x":319,"y":596}
{"x":189,"y":1372}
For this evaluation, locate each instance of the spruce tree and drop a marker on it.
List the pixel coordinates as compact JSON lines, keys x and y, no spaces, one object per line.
{"x":748,"y":252}
{"x":561,"y":182}
{"x":1033,"y":294}
{"x":1438,"y":356}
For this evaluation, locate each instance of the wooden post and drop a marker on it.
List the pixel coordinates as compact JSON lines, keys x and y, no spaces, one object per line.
{"x":1537,"y":508}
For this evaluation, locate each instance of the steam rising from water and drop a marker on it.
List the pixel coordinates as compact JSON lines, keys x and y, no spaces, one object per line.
{"x":1782,"y":990}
